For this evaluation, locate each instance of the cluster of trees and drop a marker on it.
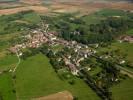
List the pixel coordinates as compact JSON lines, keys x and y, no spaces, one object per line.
{"x":54,"y":57}
{"x":29,"y":52}
{"x":71,"y":28}
{"x":102,"y":81}
{"x":91,"y":62}
{"x":105,"y":31}
{"x":104,"y":93}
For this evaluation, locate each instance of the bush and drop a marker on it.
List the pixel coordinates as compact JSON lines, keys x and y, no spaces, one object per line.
{"x":72,"y":82}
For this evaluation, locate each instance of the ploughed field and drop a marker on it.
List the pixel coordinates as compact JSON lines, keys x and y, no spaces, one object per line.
{"x":61,"y":7}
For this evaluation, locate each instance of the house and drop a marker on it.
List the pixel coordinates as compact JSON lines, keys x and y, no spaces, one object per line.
{"x":53,"y":38}
{"x":122,"y":62}
{"x":127,"y":39}
{"x":71,"y":66}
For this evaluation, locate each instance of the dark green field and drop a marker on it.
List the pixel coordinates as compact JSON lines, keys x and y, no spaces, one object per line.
{"x":123,"y":91}
{"x":7,"y":91}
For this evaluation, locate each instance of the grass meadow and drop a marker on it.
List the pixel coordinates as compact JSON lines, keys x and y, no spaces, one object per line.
{"x":6,"y":87}
{"x":123,"y":90}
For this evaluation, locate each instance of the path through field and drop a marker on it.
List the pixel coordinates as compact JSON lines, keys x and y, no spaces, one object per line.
{"x":19,"y":61}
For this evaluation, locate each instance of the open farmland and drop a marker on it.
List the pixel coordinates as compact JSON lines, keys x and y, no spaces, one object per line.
{"x":66,"y":7}
{"x":7,"y":62}
{"x":39,"y":9}
{"x":6,"y":87}
{"x":51,"y":57}
{"x":35,"y":77}
{"x":31,"y":2}
{"x":123,"y":91}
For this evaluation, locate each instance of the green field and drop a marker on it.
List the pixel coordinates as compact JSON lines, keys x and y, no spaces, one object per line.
{"x":103,"y":14}
{"x":35,"y":77}
{"x":6,"y":87}
{"x":8,"y":62}
{"x":124,"y":47}
{"x":32,"y":18}
{"x":111,"y":12}
{"x":123,"y":91}
{"x":130,"y":32}
{"x":93,"y":19}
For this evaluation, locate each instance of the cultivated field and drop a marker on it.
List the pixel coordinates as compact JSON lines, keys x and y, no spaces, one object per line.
{"x":125,"y":47}
{"x":39,"y":9}
{"x":80,"y":6}
{"x":31,"y":2}
{"x":65,"y":95}
{"x":123,"y":91}
{"x":6,"y":87}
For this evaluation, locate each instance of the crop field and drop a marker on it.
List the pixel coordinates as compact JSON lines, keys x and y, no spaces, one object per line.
{"x":7,"y":91}
{"x":111,"y":12}
{"x":97,"y":16}
{"x":31,"y":2}
{"x":7,"y":62}
{"x":123,"y":91}
{"x":40,"y":9}
{"x":31,"y":18}
{"x":8,"y":0}
{"x":66,"y":7}
{"x":130,"y":32}
{"x":35,"y":77}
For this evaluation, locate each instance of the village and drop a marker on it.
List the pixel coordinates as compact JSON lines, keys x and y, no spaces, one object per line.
{"x":38,"y":37}
{"x":72,"y":56}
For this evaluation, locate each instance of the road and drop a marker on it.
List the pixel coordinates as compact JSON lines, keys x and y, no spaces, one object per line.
{"x":19,"y":60}
{"x":125,"y":71}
